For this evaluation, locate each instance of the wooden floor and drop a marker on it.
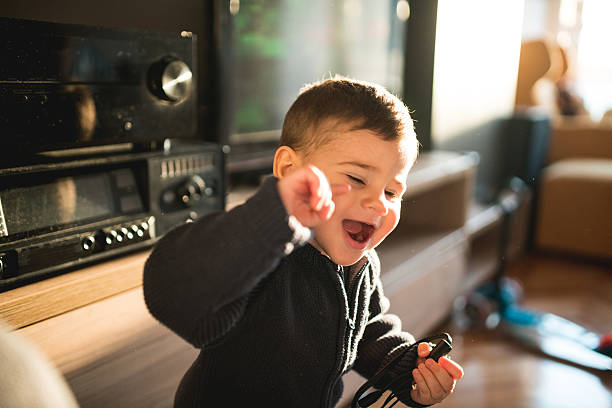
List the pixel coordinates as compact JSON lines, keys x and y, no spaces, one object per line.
{"x":500,"y":372}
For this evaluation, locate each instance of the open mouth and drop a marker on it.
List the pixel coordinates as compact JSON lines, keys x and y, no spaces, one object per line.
{"x":358,"y":231}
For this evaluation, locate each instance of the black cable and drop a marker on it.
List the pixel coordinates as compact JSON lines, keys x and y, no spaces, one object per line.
{"x":400,"y":383}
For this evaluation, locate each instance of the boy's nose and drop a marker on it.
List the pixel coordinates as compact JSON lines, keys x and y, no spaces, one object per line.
{"x":377,"y":203}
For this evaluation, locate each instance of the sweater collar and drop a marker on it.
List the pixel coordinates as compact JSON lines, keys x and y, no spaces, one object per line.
{"x":309,"y":253}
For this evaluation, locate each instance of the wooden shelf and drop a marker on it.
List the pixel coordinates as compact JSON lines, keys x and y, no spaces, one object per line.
{"x":239,"y":195}
{"x":437,"y":168}
{"x":51,"y":297}
{"x":402,"y":270}
{"x":482,"y":218}
{"x":481,"y":266}
{"x":483,"y":230}
{"x":114,"y":346}
{"x":402,"y":246}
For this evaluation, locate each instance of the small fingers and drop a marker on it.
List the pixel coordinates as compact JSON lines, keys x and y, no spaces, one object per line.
{"x":433,"y":381}
{"x":452,"y":368}
{"x":444,"y":379}
{"x":327,"y":209}
{"x":326,"y":205}
{"x":420,"y":392}
{"x":436,"y":391}
{"x":320,"y":192}
{"x":423,"y":349}
{"x":316,"y":186}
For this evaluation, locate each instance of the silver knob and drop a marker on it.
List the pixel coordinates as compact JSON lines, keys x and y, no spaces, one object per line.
{"x":127,"y":233}
{"x":114,"y":236}
{"x":171,"y":80}
{"x":192,"y":190}
{"x":88,"y":243}
{"x":176,"y":80}
{"x":137,"y":230}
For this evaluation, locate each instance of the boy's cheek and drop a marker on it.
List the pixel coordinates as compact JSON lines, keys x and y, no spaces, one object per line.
{"x":396,"y":214}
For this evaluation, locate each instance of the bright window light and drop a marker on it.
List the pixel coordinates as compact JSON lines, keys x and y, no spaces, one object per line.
{"x":594,"y":80}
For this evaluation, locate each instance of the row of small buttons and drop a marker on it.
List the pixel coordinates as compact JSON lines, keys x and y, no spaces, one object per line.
{"x":115,"y":236}
{"x":185,"y":165}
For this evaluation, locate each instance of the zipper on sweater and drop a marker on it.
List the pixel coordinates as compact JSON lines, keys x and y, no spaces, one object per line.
{"x":347,"y":285}
{"x":352,"y":296}
{"x":341,"y":339}
{"x":344,"y":339}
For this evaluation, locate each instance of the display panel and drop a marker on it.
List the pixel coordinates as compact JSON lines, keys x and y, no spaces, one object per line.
{"x":279,"y":46}
{"x":65,"y":200}
{"x":69,"y":201}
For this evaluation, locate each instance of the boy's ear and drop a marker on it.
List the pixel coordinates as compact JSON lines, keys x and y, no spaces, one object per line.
{"x":285,"y":161}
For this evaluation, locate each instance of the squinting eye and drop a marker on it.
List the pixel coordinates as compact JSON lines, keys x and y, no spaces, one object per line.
{"x":355,"y":179}
{"x":390,"y":194}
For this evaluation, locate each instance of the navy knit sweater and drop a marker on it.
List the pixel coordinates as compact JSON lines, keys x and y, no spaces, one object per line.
{"x":277,"y":322}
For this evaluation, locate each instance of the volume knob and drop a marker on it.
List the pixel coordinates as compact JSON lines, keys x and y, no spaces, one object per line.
{"x":192,"y":190}
{"x":170,"y":80}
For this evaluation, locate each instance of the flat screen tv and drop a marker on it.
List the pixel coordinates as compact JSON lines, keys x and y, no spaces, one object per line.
{"x":272,"y":49}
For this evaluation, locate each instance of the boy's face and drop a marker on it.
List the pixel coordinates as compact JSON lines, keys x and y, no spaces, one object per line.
{"x":376,"y":170}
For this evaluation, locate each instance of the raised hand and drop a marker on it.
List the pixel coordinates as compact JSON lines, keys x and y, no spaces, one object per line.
{"x":307,"y":195}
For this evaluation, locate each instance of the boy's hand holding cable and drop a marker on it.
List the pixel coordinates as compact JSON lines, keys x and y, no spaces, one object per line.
{"x":434,"y":380}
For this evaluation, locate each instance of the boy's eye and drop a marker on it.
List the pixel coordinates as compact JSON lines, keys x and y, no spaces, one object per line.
{"x":391,"y":194}
{"x":355,"y":179}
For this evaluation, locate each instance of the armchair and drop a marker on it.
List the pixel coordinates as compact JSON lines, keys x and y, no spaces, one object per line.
{"x":574,"y":197}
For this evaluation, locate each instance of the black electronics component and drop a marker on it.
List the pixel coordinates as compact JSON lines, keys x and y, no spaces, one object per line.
{"x":57,"y":215}
{"x":99,"y":148}
{"x":66,"y":86}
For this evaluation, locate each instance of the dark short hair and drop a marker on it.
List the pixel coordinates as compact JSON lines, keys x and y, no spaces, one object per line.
{"x":340,"y":100}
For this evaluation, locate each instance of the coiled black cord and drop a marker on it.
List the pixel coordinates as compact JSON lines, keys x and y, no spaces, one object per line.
{"x":399,"y":384}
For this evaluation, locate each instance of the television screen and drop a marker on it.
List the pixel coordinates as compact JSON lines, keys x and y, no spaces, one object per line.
{"x":277,"y":47}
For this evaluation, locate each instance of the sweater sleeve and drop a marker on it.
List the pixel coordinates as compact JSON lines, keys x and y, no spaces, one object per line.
{"x":197,"y":279}
{"x":383,"y":338}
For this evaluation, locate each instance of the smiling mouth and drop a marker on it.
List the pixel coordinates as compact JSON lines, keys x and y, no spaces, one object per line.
{"x":357,"y":230}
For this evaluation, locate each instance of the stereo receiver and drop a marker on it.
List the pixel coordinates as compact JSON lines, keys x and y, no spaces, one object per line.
{"x":66,"y":86}
{"x":61,"y":214}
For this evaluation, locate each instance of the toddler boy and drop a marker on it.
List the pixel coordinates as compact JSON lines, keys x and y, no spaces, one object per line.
{"x":283,"y":294}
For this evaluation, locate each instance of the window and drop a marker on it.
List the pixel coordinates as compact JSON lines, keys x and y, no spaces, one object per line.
{"x":594,"y":68}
